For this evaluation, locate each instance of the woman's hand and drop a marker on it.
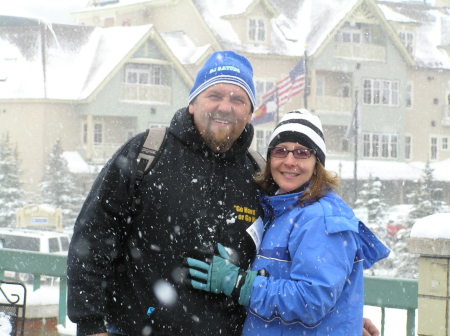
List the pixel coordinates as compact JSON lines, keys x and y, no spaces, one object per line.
{"x":369,"y":329}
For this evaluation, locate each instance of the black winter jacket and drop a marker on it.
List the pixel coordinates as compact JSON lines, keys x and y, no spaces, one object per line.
{"x":122,"y":263}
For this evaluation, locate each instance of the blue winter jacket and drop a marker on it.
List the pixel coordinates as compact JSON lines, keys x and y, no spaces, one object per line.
{"x":315,"y":255}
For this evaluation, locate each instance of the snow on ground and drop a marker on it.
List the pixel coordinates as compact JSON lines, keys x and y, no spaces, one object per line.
{"x":395,"y":320}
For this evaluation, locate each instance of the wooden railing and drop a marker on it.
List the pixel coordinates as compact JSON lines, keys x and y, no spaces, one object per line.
{"x":392,"y":293}
{"x":379,"y":292}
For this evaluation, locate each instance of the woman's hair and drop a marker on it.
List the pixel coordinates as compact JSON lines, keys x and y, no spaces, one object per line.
{"x":322,"y":181}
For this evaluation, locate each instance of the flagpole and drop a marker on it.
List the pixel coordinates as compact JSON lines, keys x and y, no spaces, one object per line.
{"x":277,"y":111}
{"x":355,"y":154}
{"x":305,"y":93}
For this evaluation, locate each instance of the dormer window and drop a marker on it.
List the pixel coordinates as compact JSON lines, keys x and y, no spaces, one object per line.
{"x":256,"y":30}
{"x":407,"y":39}
{"x":144,"y":74}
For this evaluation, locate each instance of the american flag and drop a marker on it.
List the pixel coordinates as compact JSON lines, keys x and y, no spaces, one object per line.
{"x":291,"y":85}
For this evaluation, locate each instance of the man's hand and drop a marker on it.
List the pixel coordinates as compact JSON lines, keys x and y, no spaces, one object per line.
{"x":369,"y":329}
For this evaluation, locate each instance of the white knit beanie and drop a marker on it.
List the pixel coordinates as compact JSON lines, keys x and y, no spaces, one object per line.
{"x":302,"y":127}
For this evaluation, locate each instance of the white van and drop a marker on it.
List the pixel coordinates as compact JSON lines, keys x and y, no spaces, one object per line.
{"x":33,"y":240}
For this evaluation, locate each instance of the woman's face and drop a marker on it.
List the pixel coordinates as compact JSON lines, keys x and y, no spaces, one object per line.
{"x":290,"y":173}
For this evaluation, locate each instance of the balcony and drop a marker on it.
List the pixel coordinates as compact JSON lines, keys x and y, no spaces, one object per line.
{"x":146,"y":94}
{"x":334,"y":104}
{"x":360,"y":51}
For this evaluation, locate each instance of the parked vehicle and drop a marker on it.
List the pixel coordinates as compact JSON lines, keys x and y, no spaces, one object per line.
{"x":33,"y":240}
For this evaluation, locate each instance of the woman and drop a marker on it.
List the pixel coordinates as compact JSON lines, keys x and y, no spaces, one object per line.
{"x":307,"y":278}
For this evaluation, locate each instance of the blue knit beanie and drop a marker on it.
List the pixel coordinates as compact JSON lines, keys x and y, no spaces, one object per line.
{"x":225,"y":67}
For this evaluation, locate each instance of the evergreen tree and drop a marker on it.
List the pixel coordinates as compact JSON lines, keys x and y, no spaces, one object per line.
{"x":58,"y":187}
{"x":375,"y":204}
{"x":11,"y":193}
{"x":425,"y":199}
{"x":376,"y":221}
{"x":425,"y":203}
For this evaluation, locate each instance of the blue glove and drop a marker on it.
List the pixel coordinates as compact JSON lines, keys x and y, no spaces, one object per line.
{"x":221,"y":276}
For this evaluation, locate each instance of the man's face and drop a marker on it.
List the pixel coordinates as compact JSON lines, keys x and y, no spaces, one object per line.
{"x":221,"y":113}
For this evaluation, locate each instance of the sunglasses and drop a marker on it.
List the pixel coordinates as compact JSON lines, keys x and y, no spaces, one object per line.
{"x":299,"y":153}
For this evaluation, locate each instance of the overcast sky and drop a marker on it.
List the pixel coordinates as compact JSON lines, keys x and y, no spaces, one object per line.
{"x":55,"y":11}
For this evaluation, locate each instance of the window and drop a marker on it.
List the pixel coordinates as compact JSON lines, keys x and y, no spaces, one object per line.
{"x":444,"y":143}
{"x":345,"y":90}
{"x":20,"y":242}
{"x":256,"y":30}
{"x":407,"y":39}
{"x":408,"y":143}
{"x":64,"y":243}
{"x":144,"y":74}
{"x":320,"y":87}
{"x":349,"y":36}
{"x":262,"y":87}
{"x":385,"y":146}
{"x":380,"y":145}
{"x":262,"y":140}
{"x":380,"y":92}
{"x":375,"y":145}
{"x":433,"y":148}
{"x":393,"y":149}
{"x":85,"y":133}
{"x":53,"y":245}
{"x":408,"y":95}
{"x":98,"y":134}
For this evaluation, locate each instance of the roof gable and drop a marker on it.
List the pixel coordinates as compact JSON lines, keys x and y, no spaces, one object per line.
{"x":366,"y":11}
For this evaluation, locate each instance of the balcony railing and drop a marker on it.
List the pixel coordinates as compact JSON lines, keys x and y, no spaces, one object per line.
{"x":334,"y":104}
{"x":362,"y":51}
{"x":141,"y":93}
{"x":379,"y":292}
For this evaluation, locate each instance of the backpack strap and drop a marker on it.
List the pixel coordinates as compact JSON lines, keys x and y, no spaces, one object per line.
{"x":150,"y":149}
{"x":258,"y":159}
{"x":147,"y":157}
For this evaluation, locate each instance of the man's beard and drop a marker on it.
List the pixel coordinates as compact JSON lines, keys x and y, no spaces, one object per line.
{"x":217,"y":145}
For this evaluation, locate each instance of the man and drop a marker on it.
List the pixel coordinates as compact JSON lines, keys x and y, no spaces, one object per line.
{"x":124,"y":266}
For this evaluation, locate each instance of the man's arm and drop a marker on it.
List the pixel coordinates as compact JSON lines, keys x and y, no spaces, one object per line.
{"x":369,"y":329}
{"x":97,"y":241}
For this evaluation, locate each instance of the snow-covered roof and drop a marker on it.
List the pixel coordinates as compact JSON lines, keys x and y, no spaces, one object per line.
{"x":77,"y":59}
{"x":298,"y":24}
{"x":389,"y":170}
{"x":184,"y":48}
{"x":77,"y":165}
{"x":431,"y":29}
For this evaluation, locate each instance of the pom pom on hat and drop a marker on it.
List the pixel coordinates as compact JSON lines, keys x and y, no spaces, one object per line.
{"x":302,"y":127}
{"x":225,"y":67}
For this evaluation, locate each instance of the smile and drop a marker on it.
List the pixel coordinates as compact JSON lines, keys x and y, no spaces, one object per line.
{"x":290,"y":174}
{"x":222,"y":121}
